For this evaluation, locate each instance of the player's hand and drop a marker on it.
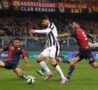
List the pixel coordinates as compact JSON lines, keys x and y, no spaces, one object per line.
{"x":93,"y":41}
{"x":32,"y":31}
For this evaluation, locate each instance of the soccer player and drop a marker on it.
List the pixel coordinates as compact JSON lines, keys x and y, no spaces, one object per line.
{"x":52,"y":49}
{"x":12,"y":61}
{"x":85,"y":52}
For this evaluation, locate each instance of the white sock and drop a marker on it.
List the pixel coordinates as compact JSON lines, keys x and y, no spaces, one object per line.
{"x":60,"y":71}
{"x":45,"y":67}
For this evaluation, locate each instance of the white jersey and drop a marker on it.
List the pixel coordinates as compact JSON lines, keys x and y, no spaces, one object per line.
{"x":52,"y":35}
{"x":52,"y":47}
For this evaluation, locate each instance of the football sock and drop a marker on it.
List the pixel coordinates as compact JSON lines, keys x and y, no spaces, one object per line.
{"x":57,"y":67}
{"x":45,"y":67}
{"x":71,"y":69}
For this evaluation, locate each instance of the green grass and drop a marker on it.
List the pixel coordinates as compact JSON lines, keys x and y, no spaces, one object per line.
{"x":83,"y":78}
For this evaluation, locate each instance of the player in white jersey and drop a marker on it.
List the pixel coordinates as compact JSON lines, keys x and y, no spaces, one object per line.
{"x":52,"y":49}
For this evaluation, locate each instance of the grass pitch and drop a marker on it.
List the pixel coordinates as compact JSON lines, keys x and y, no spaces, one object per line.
{"x":83,"y":78}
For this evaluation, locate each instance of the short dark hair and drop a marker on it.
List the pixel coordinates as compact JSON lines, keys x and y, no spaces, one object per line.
{"x":17,"y":39}
{"x":44,"y":17}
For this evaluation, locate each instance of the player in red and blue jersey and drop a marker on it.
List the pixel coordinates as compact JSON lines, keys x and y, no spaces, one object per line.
{"x":14,"y":53}
{"x":85,"y":52}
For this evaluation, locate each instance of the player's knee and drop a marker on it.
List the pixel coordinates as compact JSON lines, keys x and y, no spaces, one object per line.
{"x":38,"y":60}
{"x":94,"y":65}
{"x":2,"y":64}
{"x":53,"y":61}
{"x":72,"y":63}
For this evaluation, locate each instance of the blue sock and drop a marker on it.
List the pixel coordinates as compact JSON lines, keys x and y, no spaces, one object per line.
{"x":71,"y":69}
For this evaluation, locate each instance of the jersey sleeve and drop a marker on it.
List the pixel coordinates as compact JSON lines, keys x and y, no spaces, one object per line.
{"x":23,"y":53}
{"x":43,"y":31}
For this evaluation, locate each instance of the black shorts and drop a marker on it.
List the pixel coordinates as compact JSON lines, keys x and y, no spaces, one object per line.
{"x":86,"y":54}
{"x":10,"y":65}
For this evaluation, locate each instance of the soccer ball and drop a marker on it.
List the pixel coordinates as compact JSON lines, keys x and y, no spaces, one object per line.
{"x":30,"y":79}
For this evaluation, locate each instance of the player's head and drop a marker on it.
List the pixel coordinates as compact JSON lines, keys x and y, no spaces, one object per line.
{"x":45,"y":21}
{"x":75,"y":25}
{"x":17,"y":42}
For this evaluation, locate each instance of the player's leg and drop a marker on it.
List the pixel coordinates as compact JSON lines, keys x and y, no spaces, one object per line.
{"x":76,"y":59}
{"x":58,"y":69}
{"x":72,"y":66}
{"x":2,"y":64}
{"x":6,"y":64}
{"x":19,"y":73}
{"x":53,"y":54}
{"x":41,"y":61}
{"x":61,"y":58}
{"x":42,"y":71}
{"x":94,"y":64}
{"x":91,"y":59}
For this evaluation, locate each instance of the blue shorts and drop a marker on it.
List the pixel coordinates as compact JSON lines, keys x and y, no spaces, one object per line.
{"x":10,"y":64}
{"x":86,"y":54}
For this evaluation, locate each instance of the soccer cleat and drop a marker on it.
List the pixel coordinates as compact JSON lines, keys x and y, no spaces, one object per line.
{"x":40,"y":72}
{"x":48,"y":76}
{"x":64,"y":80}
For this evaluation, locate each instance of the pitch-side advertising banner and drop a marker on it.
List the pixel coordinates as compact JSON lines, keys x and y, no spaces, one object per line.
{"x":34,"y":55}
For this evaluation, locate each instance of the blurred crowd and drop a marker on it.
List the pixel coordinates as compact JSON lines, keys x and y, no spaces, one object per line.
{"x":13,"y":26}
{"x":20,"y":26}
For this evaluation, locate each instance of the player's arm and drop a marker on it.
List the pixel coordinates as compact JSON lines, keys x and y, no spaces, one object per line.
{"x":4,"y":49}
{"x":26,"y":60}
{"x":90,"y":36}
{"x":64,"y":35}
{"x":43,"y":31}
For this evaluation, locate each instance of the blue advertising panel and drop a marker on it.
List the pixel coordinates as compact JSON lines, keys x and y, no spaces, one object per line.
{"x":34,"y":55}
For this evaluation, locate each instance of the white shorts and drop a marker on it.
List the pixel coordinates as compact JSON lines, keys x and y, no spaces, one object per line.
{"x":51,"y":52}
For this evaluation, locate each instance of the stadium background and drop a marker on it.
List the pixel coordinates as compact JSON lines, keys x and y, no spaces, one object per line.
{"x":16,"y":16}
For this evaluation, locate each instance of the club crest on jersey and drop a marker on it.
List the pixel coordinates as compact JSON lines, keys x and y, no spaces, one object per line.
{"x":18,"y":48}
